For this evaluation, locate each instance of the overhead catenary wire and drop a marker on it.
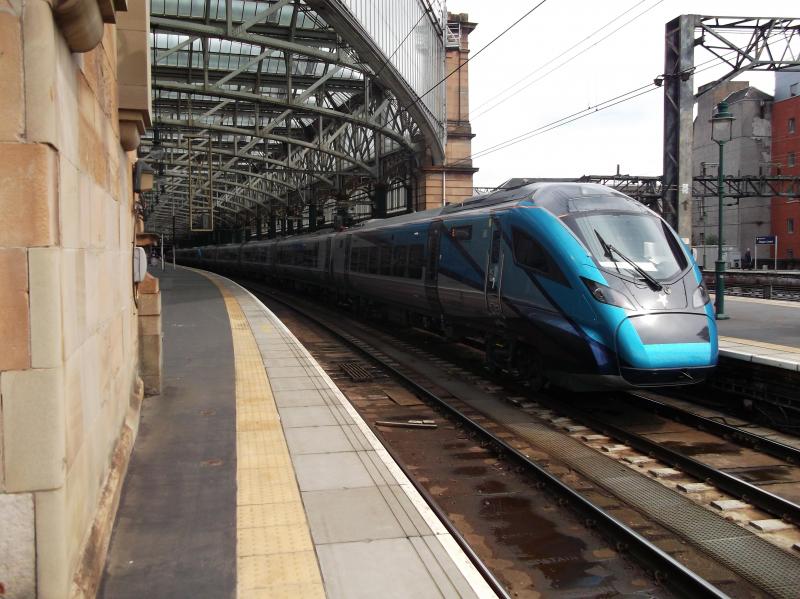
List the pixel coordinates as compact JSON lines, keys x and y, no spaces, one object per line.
{"x":570,"y":118}
{"x":479,"y":109}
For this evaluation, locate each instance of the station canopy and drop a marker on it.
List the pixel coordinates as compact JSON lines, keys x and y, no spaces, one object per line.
{"x":275,"y":114}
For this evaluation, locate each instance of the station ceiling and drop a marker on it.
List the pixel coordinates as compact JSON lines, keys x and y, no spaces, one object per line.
{"x":261,"y":107}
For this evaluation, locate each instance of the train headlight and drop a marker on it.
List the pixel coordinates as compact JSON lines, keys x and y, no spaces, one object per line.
{"x":700,"y":297}
{"x":606,"y":295}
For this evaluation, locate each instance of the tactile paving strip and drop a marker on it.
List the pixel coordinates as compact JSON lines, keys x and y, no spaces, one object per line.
{"x":274,"y":554}
{"x":747,"y":554}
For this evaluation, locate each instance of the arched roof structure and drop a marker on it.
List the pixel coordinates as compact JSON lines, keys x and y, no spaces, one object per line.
{"x":262,"y":108}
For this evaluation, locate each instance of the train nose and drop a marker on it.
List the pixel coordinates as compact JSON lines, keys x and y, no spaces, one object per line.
{"x":673,"y":347}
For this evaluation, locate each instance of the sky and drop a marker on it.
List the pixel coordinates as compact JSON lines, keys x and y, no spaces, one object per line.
{"x":629,"y":134}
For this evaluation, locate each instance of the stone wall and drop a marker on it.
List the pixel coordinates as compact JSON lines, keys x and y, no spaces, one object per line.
{"x":68,"y":320}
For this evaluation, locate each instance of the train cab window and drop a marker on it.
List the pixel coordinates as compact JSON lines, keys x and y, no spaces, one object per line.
{"x":386,"y":261}
{"x":416,"y":254}
{"x":530,"y":254}
{"x":399,"y":259}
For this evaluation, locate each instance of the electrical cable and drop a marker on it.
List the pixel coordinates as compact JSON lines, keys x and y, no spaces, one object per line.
{"x":480,"y":111}
{"x":475,"y":55}
{"x":605,"y":104}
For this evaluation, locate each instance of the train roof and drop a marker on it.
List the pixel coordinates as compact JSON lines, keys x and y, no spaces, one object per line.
{"x":558,"y":197}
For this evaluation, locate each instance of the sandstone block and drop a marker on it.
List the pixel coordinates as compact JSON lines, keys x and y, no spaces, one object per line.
{"x":17,"y":546}
{"x":150,"y":325}
{"x":33,"y":429}
{"x":152,"y":384}
{"x":52,"y":541}
{"x":14,"y":314}
{"x":41,"y":56}
{"x":150,"y":354}
{"x":28,"y":213}
{"x":12,"y":108}
{"x":73,"y":306}
{"x":149,"y":285}
{"x":44,"y":266}
{"x":149,"y":304}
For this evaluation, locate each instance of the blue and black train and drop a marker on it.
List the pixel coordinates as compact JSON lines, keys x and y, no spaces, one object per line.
{"x":575,"y":284}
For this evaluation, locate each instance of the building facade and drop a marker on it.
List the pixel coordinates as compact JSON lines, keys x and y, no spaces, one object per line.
{"x":748,"y":153}
{"x":785,"y":156}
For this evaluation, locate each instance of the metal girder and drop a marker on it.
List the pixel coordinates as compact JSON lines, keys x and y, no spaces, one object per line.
{"x":770,"y":44}
{"x":286,"y":98}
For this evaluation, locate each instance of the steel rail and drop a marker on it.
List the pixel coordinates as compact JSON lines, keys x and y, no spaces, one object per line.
{"x":760,"y":498}
{"x":667,"y":571}
{"x":473,"y":557}
{"x":757,"y":442}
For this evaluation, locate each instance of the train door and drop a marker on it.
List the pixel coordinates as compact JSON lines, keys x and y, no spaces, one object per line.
{"x":494,"y":271}
{"x":432,"y":266}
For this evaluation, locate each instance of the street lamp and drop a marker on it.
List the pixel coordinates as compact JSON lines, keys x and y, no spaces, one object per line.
{"x":721,"y":125}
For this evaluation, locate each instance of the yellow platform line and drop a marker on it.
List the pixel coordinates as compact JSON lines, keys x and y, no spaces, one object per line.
{"x":762,"y":345}
{"x":275,"y":557}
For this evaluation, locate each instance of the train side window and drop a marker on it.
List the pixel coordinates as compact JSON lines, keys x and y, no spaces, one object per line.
{"x":399,"y":259}
{"x":372,"y":267}
{"x":529,"y":253}
{"x":416,"y":253}
{"x":386,"y":260}
{"x":462,"y":233}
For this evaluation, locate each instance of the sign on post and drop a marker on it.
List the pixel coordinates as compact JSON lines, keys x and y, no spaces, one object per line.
{"x":767,"y":240}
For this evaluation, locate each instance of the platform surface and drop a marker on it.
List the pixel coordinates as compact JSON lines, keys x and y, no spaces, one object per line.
{"x":253,"y":476}
{"x":762,"y":331}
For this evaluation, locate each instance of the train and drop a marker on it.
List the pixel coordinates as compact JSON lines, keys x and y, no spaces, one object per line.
{"x":568,"y":284}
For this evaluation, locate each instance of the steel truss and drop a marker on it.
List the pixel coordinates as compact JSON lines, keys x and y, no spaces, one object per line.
{"x":742,"y":43}
{"x":293,"y":113}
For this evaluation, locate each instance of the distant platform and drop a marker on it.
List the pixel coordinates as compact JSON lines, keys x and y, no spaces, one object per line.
{"x":761,"y":331}
{"x":253,"y":476}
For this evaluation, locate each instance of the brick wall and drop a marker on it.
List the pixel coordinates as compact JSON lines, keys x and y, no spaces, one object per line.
{"x":68,"y":361}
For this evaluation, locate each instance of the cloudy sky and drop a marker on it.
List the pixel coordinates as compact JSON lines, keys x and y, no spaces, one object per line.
{"x":629,"y":134}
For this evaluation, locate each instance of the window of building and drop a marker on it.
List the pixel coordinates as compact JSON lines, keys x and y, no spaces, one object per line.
{"x":790,"y":253}
{"x":792,"y":125}
{"x":794,"y":89}
{"x":791,"y":160}
{"x":790,"y":225}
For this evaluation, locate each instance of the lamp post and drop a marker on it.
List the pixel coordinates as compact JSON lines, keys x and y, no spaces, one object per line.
{"x":721,"y":125}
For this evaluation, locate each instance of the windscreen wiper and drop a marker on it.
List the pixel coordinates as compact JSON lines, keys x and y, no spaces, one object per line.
{"x":606,"y":249}
{"x":609,"y":251}
{"x":651,"y":282}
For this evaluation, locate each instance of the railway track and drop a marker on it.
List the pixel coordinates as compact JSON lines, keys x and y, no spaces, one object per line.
{"x":508,"y":439}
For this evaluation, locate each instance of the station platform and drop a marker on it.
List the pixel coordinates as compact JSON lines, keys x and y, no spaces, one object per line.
{"x":761,"y":331}
{"x":253,"y":476}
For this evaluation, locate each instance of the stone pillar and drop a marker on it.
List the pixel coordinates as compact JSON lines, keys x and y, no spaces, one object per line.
{"x":452,"y":181}
{"x":150,"y":335}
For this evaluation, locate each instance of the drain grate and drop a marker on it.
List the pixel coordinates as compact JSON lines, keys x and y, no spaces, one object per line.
{"x":356,"y":371}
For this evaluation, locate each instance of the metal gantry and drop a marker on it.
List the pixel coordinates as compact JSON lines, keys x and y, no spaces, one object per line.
{"x":742,"y":44}
{"x":285,"y":114}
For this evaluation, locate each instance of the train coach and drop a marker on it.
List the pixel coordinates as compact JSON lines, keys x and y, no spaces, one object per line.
{"x":572,"y":284}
